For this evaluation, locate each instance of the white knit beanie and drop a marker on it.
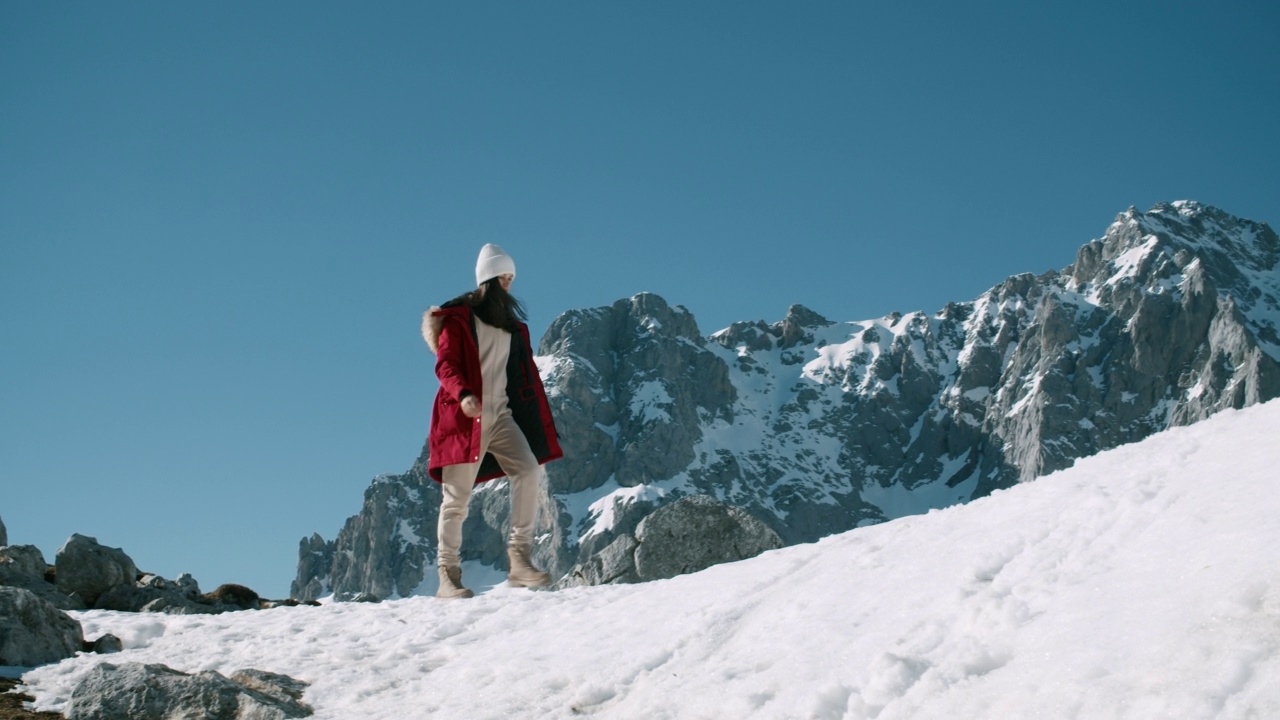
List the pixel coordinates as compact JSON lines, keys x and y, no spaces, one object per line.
{"x":493,"y":261}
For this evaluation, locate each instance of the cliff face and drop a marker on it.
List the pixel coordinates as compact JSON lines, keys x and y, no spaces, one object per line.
{"x":816,"y":427}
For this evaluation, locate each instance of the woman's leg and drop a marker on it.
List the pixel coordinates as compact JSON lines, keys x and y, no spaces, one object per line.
{"x":456,"y":487}
{"x":510,"y":447}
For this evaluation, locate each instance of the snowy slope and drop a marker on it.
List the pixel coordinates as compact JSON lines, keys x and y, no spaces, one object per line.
{"x":1141,"y":583}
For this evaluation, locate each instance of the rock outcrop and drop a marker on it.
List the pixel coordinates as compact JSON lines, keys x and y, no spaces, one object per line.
{"x":22,"y":561}
{"x":89,"y":575}
{"x":24,"y":566}
{"x":105,"y":644}
{"x":638,"y":370}
{"x":86,"y":569}
{"x":685,"y":536}
{"x":388,"y":527}
{"x":157,"y":692}
{"x":695,"y":533}
{"x":34,"y":632}
{"x":816,"y":427}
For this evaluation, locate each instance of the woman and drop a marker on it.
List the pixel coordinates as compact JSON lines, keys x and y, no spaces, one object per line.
{"x":491,"y":416}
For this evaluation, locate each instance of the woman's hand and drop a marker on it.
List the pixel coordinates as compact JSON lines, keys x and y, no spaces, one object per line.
{"x":470,"y":406}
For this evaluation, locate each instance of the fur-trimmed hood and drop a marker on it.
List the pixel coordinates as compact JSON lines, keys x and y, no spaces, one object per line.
{"x":432,"y":324}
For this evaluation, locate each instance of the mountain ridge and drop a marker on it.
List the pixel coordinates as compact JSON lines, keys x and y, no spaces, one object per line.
{"x":817,"y":426}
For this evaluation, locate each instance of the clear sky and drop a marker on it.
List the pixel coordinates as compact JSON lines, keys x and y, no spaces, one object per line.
{"x":220,"y":222}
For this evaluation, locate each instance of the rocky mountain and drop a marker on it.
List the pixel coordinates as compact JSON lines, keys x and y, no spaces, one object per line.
{"x":816,"y":427}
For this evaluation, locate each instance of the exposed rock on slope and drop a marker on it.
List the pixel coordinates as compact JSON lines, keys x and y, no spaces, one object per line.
{"x":682,"y":537}
{"x":33,"y":631}
{"x":90,"y":575}
{"x":157,"y":692}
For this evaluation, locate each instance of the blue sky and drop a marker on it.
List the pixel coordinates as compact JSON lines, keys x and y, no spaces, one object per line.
{"x":222,"y":221}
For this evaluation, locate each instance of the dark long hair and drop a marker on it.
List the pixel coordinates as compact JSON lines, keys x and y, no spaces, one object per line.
{"x":494,"y":305}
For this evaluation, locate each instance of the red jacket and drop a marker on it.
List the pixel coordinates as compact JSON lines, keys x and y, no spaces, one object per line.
{"x":454,"y":437}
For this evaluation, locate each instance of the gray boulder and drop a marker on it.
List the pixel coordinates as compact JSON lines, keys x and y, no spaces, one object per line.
{"x":34,"y":632}
{"x":86,"y":569}
{"x":135,"y":598}
{"x":107,"y":644}
{"x":615,"y":564}
{"x":157,"y":692}
{"x":695,"y":533}
{"x":685,"y":536}
{"x":152,"y":593}
{"x":282,"y":688}
{"x":234,"y":597}
{"x":45,"y":591}
{"x":21,"y":561}
{"x":23,"y":566}
{"x":187,"y":586}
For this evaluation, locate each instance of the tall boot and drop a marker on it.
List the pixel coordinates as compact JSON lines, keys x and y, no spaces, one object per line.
{"x":451,"y":583}
{"x":522,"y":572}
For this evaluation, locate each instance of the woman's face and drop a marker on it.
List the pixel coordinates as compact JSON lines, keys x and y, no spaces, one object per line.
{"x":506,"y":280}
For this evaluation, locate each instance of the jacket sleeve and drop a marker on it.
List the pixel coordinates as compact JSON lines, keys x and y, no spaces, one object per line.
{"x":449,"y":363}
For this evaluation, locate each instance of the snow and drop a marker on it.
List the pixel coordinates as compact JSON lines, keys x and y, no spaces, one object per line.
{"x":845,"y":354}
{"x":406,"y":533}
{"x":549,"y":367}
{"x":897,"y":500}
{"x":650,"y":398}
{"x":1141,"y":583}
{"x":610,"y":430}
{"x":1129,"y":263}
{"x":1030,"y":395}
{"x":603,"y":513}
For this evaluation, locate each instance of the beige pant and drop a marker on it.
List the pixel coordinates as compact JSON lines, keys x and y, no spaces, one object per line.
{"x":502,"y":437}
